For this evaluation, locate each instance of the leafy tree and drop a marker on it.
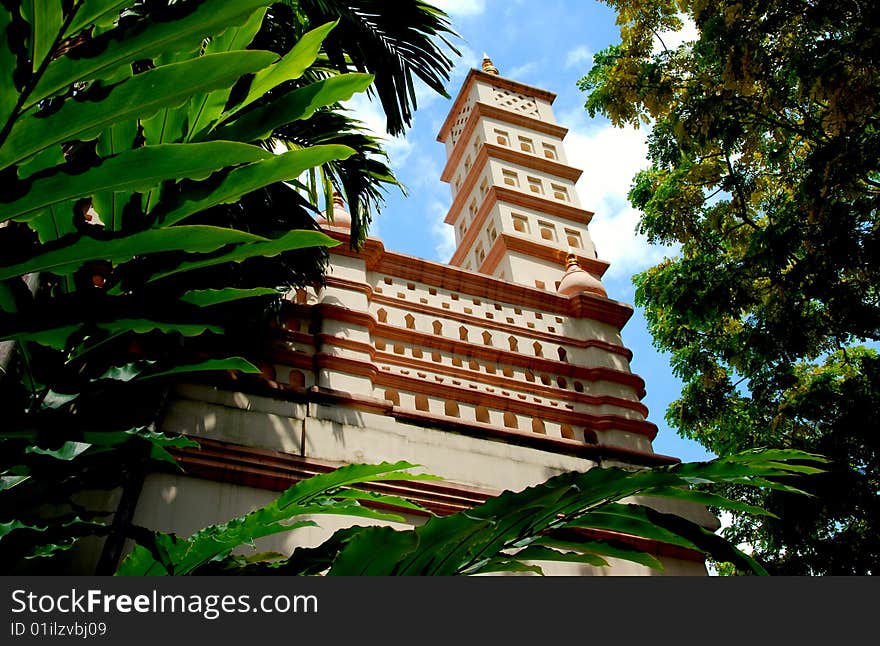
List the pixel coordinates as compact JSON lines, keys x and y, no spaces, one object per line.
{"x":765,"y":170}
{"x":142,"y":202}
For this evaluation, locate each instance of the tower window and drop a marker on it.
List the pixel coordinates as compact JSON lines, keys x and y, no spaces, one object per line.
{"x":472,"y":207}
{"x":548,"y":231}
{"x":510,"y":178}
{"x":484,"y":186}
{"x":526,"y":145}
{"x":520,"y":223}
{"x":502,"y":138}
{"x":573,"y":238}
{"x":550,"y":151}
{"x":535,"y":185}
{"x":559,"y":192}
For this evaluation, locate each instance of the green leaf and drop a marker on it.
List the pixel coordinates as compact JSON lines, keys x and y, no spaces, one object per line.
{"x":542,"y":553}
{"x":134,"y":170}
{"x":8,"y":91}
{"x":95,"y":12}
{"x":249,"y":178}
{"x":360,"y":557}
{"x":45,"y":18}
{"x":258,"y":124}
{"x":192,"y":239}
{"x":291,"y":66}
{"x":55,"y":222}
{"x":148,"y":42}
{"x":139,"y":97}
{"x":207,"y":297}
{"x":204,"y":108}
{"x":291,"y":241}
{"x":232,"y":363}
{"x":67,"y":451}
{"x":108,"y":205}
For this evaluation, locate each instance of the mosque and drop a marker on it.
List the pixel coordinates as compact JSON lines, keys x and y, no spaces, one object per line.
{"x":496,"y":371}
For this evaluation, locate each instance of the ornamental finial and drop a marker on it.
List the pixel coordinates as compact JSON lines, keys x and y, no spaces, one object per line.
{"x":488,"y":67}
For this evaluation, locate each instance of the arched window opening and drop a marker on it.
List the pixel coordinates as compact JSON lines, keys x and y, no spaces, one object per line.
{"x":538,"y":426}
{"x":566,"y":431}
{"x":487,"y":338}
{"x":514,"y":344}
{"x":510,"y":420}
{"x":382,"y":315}
{"x":422,"y":402}
{"x":410,"y":321}
{"x":451,"y":408}
{"x":463,"y":333}
{"x":393,"y":396}
{"x":438,"y":328}
{"x":539,"y":352}
{"x":563,"y":354}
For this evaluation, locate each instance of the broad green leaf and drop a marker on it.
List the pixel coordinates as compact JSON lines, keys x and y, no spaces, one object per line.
{"x":148,"y":42}
{"x":509,"y":564}
{"x":8,"y":91}
{"x":207,"y":297}
{"x":614,"y":549}
{"x":46,"y":158}
{"x":301,"y":103}
{"x":361,"y":558}
{"x":95,"y":12}
{"x":291,"y":241}
{"x":232,"y":363}
{"x":55,"y":338}
{"x":114,"y":140}
{"x":8,"y":482}
{"x":541,"y":553}
{"x":55,"y":222}
{"x":134,"y":170}
{"x":710,"y":500}
{"x":291,"y":66}
{"x":204,"y":109}
{"x":192,"y":239}
{"x":246,"y":179}
{"x":144,"y":326}
{"x":139,"y":97}
{"x":67,"y":451}
{"x":45,"y":18}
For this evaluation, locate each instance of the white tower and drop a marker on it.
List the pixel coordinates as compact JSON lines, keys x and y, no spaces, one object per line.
{"x":515,"y":209}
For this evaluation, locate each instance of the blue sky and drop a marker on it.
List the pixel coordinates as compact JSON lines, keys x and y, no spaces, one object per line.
{"x":547,"y":44}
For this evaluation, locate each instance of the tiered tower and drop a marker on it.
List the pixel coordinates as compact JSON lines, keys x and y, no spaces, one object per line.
{"x":516,"y":213}
{"x":496,"y":370}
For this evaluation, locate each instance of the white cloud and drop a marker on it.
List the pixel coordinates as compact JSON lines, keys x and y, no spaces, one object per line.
{"x":522,"y":71}
{"x":578,"y":57}
{"x":610,"y":157}
{"x":672,"y":39}
{"x":461,"y":7}
{"x":370,"y":113}
{"x":443,"y":234}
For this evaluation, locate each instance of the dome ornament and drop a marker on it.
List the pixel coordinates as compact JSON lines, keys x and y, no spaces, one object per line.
{"x":578,"y":281}
{"x":488,"y":66}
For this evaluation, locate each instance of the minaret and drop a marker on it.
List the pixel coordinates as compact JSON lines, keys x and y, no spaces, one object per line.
{"x":515,"y":209}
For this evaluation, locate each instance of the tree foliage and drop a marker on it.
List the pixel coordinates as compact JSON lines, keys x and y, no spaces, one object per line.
{"x":765,"y":170}
{"x":514,"y":532}
{"x":155,"y":227}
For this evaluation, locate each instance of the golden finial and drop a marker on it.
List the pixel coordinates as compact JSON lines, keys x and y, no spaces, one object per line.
{"x":488,"y":67}
{"x":571,"y":261}
{"x":337,"y":199}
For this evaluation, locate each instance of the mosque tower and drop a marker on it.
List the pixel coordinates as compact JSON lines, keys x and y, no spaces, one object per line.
{"x":495,"y":371}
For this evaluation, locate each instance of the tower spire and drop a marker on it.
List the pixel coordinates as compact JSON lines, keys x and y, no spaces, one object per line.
{"x":488,"y":66}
